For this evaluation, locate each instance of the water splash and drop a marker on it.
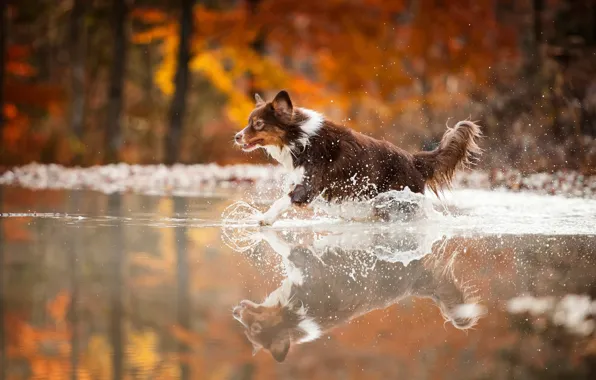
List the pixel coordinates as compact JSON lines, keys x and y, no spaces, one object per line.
{"x":392,"y":206}
{"x":239,"y":226}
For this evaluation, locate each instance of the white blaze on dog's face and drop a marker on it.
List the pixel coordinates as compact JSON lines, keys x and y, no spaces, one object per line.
{"x":268,"y":327}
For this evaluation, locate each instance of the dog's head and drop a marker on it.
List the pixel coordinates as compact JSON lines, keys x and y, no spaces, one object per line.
{"x":271,"y":124}
{"x":268,"y":327}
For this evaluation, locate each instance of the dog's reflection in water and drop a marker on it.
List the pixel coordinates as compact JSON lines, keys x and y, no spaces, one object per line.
{"x":327,"y":285}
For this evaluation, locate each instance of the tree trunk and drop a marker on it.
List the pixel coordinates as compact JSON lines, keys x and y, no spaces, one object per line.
{"x":593,"y":23}
{"x":117,"y":289}
{"x":258,"y":46}
{"x":425,"y":106}
{"x":3,"y":361}
{"x":3,"y":31}
{"x":178,"y":106}
{"x":182,"y":286}
{"x":538,"y":8}
{"x":113,"y":133}
{"x":77,"y":64}
{"x":148,"y":75}
{"x":73,"y":253}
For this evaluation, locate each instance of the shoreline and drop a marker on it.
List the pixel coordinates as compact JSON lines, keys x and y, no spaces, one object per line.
{"x":160,"y":179}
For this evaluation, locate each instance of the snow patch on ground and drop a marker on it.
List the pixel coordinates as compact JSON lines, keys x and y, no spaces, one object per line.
{"x":144,"y":179}
{"x":197,"y":179}
{"x":561,"y":182}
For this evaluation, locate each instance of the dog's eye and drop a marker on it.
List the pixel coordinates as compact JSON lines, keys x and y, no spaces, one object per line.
{"x":258,"y":125}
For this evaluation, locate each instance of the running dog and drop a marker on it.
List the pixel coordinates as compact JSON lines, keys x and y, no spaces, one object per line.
{"x":337,"y":163}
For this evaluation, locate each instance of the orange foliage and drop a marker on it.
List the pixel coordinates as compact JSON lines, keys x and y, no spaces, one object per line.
{"x":58,"y":307}
{"x":47,"y":349}
{"x":149,"y":15}
{"x":359,"y":51}
{"x":19,"y":138}
{"x":16,"y":199}
{"x":20,"y":69}
{"x":16,"y":61}
{"x":10,"y":111}
{"x":27,"y":341}
{"x":15,"y":229}
{"x":37,"y":95}
{"x":367,"y":61}
{"x":16,"y":52}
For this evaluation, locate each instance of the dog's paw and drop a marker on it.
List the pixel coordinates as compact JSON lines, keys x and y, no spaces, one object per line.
{"x":256,"y":218}
{"x":265,"y":221}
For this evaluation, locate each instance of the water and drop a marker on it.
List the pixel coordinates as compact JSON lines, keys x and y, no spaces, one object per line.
{"x":139,"y":287}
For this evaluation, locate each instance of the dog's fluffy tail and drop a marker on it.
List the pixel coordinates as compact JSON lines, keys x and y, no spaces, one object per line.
{"x":458,"y":149}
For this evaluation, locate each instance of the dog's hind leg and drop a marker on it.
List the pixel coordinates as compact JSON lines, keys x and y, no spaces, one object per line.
{"x":395,"y":210}
{"x":284,"y":250}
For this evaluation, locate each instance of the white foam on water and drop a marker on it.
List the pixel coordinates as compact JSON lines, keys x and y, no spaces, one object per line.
{"x":457,"y":212}
{"x":502,"y":212}
{"x":391,"y":203}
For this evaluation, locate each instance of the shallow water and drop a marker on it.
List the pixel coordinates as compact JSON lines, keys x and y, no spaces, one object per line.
{"x":130,"y":286}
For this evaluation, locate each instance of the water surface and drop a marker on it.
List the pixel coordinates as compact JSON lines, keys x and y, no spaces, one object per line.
{"x":130,"y":286}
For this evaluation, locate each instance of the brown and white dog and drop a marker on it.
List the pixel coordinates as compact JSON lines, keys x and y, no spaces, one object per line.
{"x":327,"y":285}
{"x":339,"y":164}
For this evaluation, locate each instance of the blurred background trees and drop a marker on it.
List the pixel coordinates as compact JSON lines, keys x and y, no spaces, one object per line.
{"x":147,"y":81}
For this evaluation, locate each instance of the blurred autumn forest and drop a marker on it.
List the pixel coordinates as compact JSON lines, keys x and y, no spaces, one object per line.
{"x":145,"y":81}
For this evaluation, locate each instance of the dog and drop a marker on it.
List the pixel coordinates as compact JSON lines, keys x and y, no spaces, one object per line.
{"x":327,"y":285}
{"x":337,"y":163}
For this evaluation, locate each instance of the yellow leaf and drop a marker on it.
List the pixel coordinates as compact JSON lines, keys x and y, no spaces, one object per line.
{"x":98,"y":357}
{"x":141,"y":352}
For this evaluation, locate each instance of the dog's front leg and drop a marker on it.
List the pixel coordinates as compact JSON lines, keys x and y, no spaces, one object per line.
{"x":299,"y":196}
{"x":276,"y":209}
{"x":278,"y":244}
{"x":293,"y":270}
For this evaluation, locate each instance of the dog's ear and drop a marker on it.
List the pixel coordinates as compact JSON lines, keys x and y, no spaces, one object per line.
{"x":282,"y":104}
{"x":258,"y":100}
{"x":279,"y":347}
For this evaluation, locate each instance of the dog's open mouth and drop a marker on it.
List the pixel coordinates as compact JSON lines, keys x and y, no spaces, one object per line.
{"x":251,"y":145}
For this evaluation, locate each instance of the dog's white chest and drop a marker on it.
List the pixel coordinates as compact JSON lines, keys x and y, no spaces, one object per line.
{"x":281,"y":155}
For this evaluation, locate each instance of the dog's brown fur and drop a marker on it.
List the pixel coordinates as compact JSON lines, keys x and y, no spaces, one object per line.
{"x":339,"y":163}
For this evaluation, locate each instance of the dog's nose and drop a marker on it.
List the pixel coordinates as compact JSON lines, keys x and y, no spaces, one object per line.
{"x":238,"y":137}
